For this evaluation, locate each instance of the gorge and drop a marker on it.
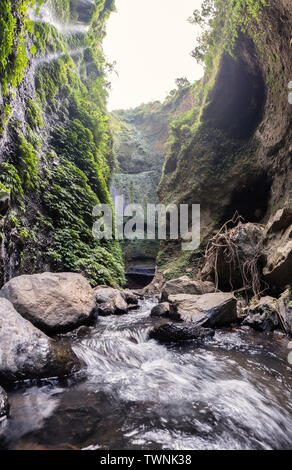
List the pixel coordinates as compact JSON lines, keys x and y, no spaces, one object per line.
{"x":135,"y":344}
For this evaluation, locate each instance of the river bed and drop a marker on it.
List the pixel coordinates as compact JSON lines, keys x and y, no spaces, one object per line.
{"x":231,"y":392}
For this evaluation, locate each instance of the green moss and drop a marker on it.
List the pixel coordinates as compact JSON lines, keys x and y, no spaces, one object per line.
{"x":28,"y":162}
{"x":34,"y":114}
{"x":13,"y":56}
{"x":47,"y":39}
{"x":10,"y":178}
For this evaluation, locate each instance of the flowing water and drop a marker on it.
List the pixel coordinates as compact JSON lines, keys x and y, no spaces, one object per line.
{"x":232,"y":392}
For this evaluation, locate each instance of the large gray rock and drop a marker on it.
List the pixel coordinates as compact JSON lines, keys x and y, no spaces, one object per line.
{"x":110,"y":301}
{"x":278,"y":250}
{"x":161,"y":310}
{"x":263,"y":316}
{"x":4,"y":405}
{"x":185,"y":285}
{"x":27,"y":353}
{"x":54,"y":302}
{"x":171,"y":332}
{"x":208,"y":310}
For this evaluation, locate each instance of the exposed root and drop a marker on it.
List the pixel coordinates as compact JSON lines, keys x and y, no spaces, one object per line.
{"x":223,"y":246}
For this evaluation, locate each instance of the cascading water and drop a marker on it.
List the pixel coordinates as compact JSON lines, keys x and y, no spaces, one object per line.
{"x":232,"y":392}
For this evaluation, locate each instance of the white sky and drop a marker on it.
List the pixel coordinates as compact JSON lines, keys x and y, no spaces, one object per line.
{"x":151,"y":41}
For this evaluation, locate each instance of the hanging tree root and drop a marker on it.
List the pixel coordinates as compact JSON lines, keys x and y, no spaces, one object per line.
{"x":223,"y":246}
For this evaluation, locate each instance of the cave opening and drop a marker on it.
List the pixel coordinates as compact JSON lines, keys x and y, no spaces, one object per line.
{"x":250,"y":200}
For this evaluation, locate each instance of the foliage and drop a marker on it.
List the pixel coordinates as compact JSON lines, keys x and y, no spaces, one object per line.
{"x":222,"y":22}
{"x":13,"y":56}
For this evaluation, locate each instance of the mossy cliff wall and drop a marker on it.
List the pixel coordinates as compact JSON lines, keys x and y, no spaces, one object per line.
{"x":233,"y":150}
{"x":56,"y":156}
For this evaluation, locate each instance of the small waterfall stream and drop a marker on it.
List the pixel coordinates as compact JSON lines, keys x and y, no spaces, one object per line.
{"x":232,"y":392}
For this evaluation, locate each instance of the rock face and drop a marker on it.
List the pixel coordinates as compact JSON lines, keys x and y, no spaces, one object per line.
{"x":185,"y":285}
{"x":171,"y":332}
{"x":27,"y":353}
{"x":110,"y":301}
{"x":264,"y":315}
{"x":278,"y":250}
{"x":232,"y":253}
{"x":239,"y":151}
{"x":4,"y":405}
{"x":161,"y":310}
{"x":130,"y":297}
{"x":208,"y":310}
{"x":54,"y":302}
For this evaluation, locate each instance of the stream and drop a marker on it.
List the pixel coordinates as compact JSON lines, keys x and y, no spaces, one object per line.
{"x":231,"y":392}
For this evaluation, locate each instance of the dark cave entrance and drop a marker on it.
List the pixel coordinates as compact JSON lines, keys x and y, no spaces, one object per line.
{"x":250,"y":200}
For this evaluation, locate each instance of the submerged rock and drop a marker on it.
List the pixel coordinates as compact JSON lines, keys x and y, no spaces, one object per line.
{"x":4,"y":404}
{"x":161,"y":310}
{"x":27,"y":353}
{"x":110,"y":301}
{"x":218,"y":309}
{"x":185,"y":285}
{"x":171,"y":332}
{"x":278,"y":250}
{"x":264,"y":315}
{"x":54,"y":302}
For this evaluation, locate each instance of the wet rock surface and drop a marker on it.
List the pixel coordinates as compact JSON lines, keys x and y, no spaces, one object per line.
{"x":27,"y":353}
{"x":161,"y":310}
{"x":172,"y":332}
{"x":278,"y":250}
{"x":185,"y":285}
{"x":4,"y":405}
{"x":210,"y":310}
{"x":110,"y":301}
{"x":54,"y":302}
{"x":264,"y":315}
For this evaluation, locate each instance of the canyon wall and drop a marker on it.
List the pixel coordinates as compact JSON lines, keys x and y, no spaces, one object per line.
{"x":232,"y":151}
{"x":56,"y":155}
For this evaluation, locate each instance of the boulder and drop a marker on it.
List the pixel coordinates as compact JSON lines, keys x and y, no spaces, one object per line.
{"x":27,"y":353}
{"x":110,"y":301}
{"x":263,"y":316}
{"x":208,"y":310}
{"x":185,"y":285}
{"x":4,"y":405}
{"x":278,"y":250}
{"x":171,"y":332}
{"x":53,"y":302}
{"x":131,"y":298}
{"x":161,"y":310}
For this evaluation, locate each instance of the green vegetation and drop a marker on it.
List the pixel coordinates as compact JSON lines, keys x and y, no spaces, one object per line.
{"x":57,"y":175}
{"x":223,"y":21}
{"x":13,"y":57}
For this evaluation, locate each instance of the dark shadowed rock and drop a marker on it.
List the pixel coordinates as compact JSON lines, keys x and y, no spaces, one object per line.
{"x":173,"y":332}
{"x":110,"y":301}
{"x":184,"y":285}
{"x":54,"y":302}
{"x":4,"y":405}
{"x":264,"y":315}
{"x":161,"y":310}
{"x":218,"y":309}
{"x":131,"y":298}
{"x":27,"y":353}
{"x":278,"y":250}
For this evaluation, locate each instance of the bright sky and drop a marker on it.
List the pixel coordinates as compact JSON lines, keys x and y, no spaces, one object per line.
{"x":151,"y":41}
